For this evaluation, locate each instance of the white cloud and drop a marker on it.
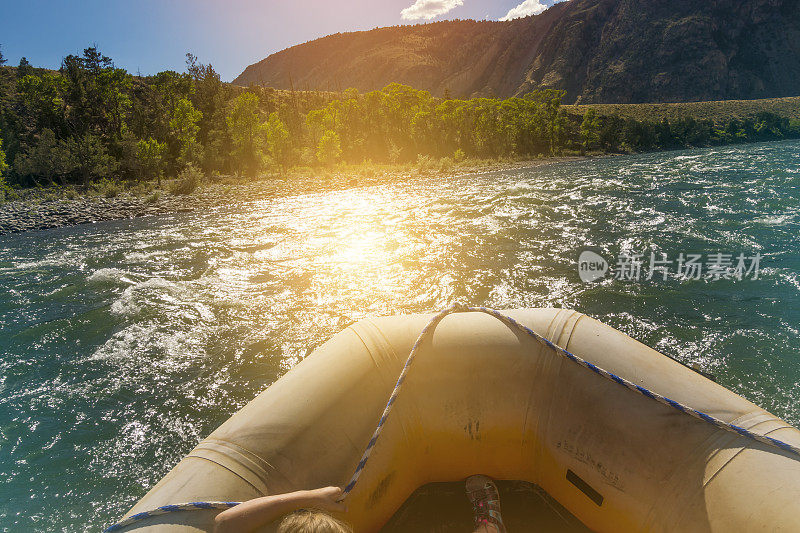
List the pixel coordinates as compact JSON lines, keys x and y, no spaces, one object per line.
{"x":526,"y":9}
{"x":428,"y":9}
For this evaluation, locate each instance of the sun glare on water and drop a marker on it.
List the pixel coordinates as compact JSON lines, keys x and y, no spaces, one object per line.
{"x":347,"y":254}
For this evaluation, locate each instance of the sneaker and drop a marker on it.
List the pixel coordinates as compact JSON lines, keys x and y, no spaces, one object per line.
{"x":485,"y":499}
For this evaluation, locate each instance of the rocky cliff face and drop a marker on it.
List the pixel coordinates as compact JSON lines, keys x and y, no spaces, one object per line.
{"x":599,"y":51}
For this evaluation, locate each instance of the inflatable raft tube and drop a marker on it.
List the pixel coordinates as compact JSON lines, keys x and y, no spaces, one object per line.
{"x":483,"y":398}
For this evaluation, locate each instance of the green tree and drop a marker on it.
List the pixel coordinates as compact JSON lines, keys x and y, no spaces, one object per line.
{"x":664,"y":134}
{"x":279,"y":142}
{"x":153,"y":103}
{"x":246,"y":130}
{"x":3,"y":165}
{"x":329,"y":149}
{"x":96,"y":95}
{"x":41,"y":104}
{"x":92,"y":160}
{"x":551,"y":115}
{"x":45,"y":160}
{"x":151,"y":154}
{"x":3,"y":168}
{"x":590,"y":128}
{"x":316,"y":122}
{"x":24,"y":68}
{"x":610,"y":133}
{"x":211,"y":97}
{"x":184,"y":128}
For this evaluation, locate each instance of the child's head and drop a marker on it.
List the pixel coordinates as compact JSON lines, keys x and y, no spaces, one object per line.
{"x":312,"y":521}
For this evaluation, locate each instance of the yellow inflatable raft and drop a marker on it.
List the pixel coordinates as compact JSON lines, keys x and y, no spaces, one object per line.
{"x":484,"y":398}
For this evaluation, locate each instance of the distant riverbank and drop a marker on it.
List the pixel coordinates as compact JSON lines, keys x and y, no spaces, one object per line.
{"x":45,"y":208}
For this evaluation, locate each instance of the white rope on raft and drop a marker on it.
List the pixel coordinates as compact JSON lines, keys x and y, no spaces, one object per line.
{"x":459,"y":308}
{"x":430,"y":326}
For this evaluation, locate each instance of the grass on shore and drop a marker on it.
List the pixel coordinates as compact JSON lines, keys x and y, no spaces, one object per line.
{"x":719,"y":112}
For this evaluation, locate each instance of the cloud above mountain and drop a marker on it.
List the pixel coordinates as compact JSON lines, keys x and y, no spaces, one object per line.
{"x":429,"y":9}
{"x":526,"y":9}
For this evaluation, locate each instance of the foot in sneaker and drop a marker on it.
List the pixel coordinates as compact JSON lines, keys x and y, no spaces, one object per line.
{"x":482,"y":493}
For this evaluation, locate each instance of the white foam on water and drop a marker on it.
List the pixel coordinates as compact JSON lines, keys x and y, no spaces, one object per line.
{"x":140,"y":256}
{"x":776,"y":220}
{"x":124,"y":344}
{"x":105,"y":275}
{"x":789,"y":277}
{"x":64,"y":259}
{"x":181,"y":302}
{"x":152,"y":347}
{"x":134,"y":298}
{"x":135,"y":432}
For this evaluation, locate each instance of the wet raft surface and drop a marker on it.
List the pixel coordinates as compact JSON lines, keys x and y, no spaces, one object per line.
{"x":444,"y":508}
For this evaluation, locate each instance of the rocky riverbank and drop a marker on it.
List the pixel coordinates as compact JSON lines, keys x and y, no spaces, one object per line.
{"x":35,"y":214}
{"x":45,"y":209}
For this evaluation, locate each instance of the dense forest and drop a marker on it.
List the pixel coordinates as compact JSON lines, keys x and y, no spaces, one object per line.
{"x":92,"y":121}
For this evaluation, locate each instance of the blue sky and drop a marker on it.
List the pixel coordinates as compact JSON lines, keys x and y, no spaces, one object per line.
{"x":148,"y":36}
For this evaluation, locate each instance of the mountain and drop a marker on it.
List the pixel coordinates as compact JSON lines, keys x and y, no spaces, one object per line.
{"x":598,"y":51}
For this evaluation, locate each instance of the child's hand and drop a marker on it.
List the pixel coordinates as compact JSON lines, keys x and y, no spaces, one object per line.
{"x":325,"y":499}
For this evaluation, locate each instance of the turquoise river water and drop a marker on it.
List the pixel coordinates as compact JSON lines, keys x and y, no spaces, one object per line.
{"x":122,"y":344}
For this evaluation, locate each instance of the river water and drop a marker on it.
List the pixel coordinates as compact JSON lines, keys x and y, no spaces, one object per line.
{"x":124,"y":343}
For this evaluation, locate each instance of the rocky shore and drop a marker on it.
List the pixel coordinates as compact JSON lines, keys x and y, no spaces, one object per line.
{"x":32,"y":214}
{"x":42,"y":209}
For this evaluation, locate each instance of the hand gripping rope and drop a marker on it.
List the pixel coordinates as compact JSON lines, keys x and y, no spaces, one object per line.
{"x":429,"y":327}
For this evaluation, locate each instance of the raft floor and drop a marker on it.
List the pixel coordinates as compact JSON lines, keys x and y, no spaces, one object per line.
{"x":444,"y":508}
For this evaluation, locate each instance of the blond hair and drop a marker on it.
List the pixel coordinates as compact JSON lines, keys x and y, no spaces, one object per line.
{"x":312,"y":521}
